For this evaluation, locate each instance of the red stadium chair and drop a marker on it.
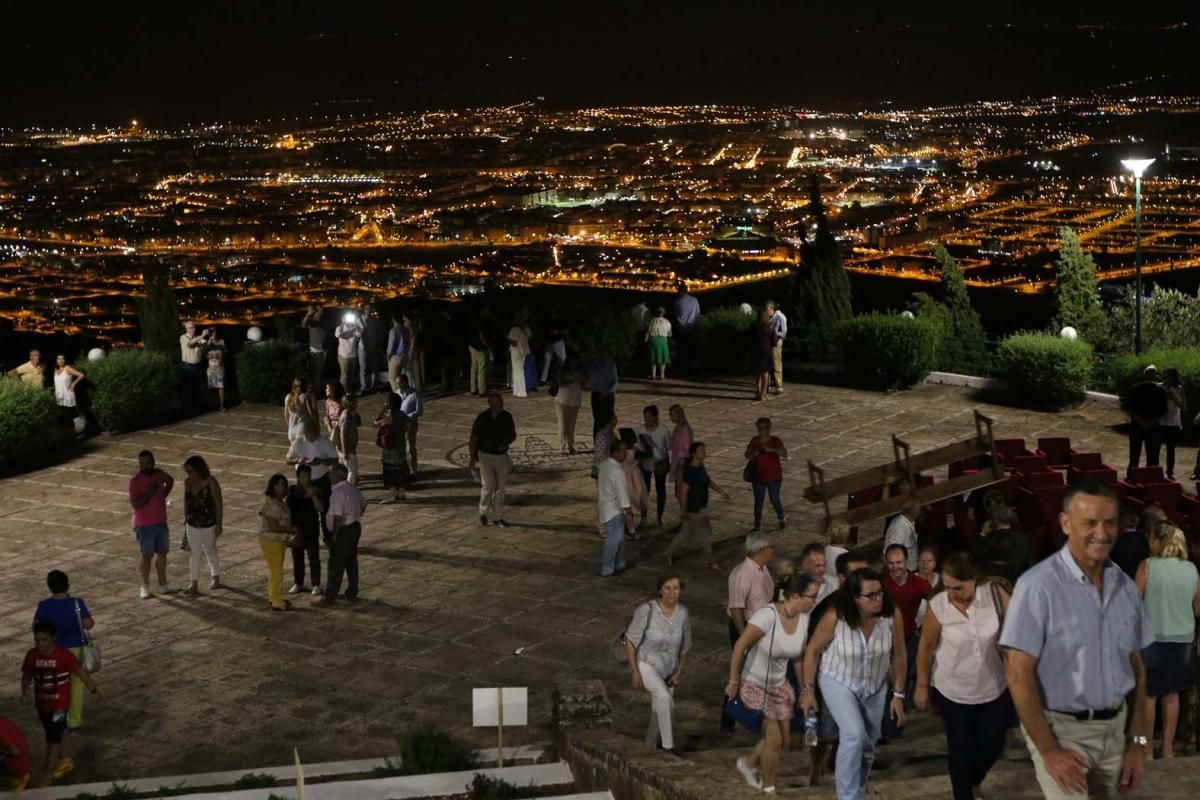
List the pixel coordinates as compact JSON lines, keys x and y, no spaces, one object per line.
{"x":1038,"y":479}
{"x":1056,"y":449}
{"x":1008,"y":449}
{"x":1024,"y":465}
{"x":1167,"y":495}
{"x":1142,"y":475}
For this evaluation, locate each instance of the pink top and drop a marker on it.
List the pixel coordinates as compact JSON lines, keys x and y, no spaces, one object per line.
{"x":639,"y":496}
{"x":966,"y":664}
{"x":751,"y":587}
{"x":155,"y":511}
{"x":678,"y":445}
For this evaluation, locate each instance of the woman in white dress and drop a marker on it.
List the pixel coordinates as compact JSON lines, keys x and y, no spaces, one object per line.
{"x":298,"y":407}
{"x":66,"y":378}
{"x":518,"y":349}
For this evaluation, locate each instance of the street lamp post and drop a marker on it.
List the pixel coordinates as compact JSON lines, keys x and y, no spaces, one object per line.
{"x":1137,"y":166}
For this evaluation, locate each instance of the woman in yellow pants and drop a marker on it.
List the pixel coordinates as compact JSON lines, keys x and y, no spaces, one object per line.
{"x":275,"y":529}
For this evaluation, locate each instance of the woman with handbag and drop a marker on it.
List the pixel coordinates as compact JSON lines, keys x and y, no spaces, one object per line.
{"x":391,"y":438}
{"x":758,"y":691}
{"x":961,"y":673}
{"x":72,"y":621}
{"x":657,"y":643}
{"x":203,"y":511}
{"x":764,"y":471}
{"x":275,"y":533}
{"x":857,"y":645}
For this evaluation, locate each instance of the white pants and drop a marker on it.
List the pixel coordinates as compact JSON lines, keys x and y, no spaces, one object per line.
{"x":351,"y":462}
{"x":550,"y":352}
{"x":662,"y":705}
{"x":203,"y":539}
{"x":519,"y":389}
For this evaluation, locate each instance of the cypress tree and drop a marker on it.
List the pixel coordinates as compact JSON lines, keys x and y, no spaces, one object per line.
{"x":824,"y":286}
{"x":963,"y":348}
{"x":158,"y":312}
{"x":1076,"y":298}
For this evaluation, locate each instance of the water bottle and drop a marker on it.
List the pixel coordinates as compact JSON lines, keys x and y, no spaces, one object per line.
{"x":810,"y":729}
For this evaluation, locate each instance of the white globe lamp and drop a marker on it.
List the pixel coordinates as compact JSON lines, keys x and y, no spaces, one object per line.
{"x":906,"y":314}
{"x":746,"y":308}
{"x":1069,"y":333}
{"x":96,"y":354}
{"x":254,"y":334}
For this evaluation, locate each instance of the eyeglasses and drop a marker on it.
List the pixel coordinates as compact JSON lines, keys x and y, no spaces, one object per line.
{"x":808,"y":596}
{"x":873,"y":596}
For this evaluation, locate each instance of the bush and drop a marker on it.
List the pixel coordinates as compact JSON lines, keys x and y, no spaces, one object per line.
{"x":134,"y":388}
{"x":599,"y":329}
{"x":484,"y":787}
{"x":1045,"y":370}
{"x":255,"y":780}
{"x":1127,"y":371}
{"x":28,"y":417}
{"x":265,"y":370}
{"x":888,"y":351}
{"x":424,"y":749}
{"x":723,"y":340}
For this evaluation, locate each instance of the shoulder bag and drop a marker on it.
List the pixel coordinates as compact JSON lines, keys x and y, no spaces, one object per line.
{"x":618,"y":644}
{"x":89,"y":652}
{"x":750,"y":718}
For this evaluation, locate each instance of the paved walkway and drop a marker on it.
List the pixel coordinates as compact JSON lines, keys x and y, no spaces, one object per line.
{"x":219,"y":682}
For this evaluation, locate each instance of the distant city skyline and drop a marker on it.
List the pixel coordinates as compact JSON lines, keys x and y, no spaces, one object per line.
{"x":167,"y":65}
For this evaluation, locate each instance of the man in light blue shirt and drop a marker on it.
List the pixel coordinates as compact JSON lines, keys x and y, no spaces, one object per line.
{"x":1074,"y":633}
{"x":411,"y":406}
{"x":687,"y":308}
{"x":779,"y":327}
{"x":398,"y":347}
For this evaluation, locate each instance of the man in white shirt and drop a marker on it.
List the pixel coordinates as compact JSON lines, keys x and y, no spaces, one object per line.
{"x":191,"y":349}
{"x":411,"y":406}
{"x":903,"y":530}
{"x":349,"y":333}
{"x":344,"y":523}
{"x":317,"y":452}
{"x":615,"y":510}
{"x":779,"y":327}
{"x":812,"y":561}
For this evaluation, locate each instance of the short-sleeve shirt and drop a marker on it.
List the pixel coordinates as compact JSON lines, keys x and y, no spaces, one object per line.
{"x":657,"y":440}
{"x":767,"y":466}
{"x":155,"y":511}
{"x":316,"y":334}
{"x":51,"y":673}
{"x":687,"y":310}
{"x":1082,"y":640}
{"x":659,"y":326}
{"x":908,"y":597}
{"x":658,"y":639}
{"x":12,"y":739}
{"x":697,"y":480}
{"x":187,"y":353}
{"x":304,"y":513}
{"x":767,"y":662}
{"x":494,"y":433}
{"x":345,"y":501}
{"x":61,"y":612}
{"x":319,"y":447}
{"x":750,"y":587}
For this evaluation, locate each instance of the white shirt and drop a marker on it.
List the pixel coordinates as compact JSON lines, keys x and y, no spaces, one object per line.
{"x":778,"y":323}
{"x":411,"y":405}
{"x":903,"y":531}
{"x":345,"y":501}
{"x":966,"y":664}
{"x":857,"y":662}
{"x":832,"y":551}
{"x":923,"y":609}
{"x":569,"y":394}
{"x":189,"y":354}
{"x":320,"y":447}
{"x":829,"y":585}
{"x":658,"y":444}
{"x":613,"y":488}
{"x":659,"y":326}
{"x":766,"y":663}
{"x":348,"y":334}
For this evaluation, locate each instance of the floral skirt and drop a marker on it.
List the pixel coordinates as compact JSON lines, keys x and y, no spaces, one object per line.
{"x":776,"y":702}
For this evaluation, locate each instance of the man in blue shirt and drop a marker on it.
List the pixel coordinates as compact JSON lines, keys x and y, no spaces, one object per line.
{"x":779,"y":326}
{"x":411,"y":406}
{"x":602,"y":380}
{"x":398,"y":346}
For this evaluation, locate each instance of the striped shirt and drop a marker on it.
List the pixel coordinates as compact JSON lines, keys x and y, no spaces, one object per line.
{"x":660,"y":640}
{"x":50,"y":675}
{"x":857,"y":662}
{"x":966,"y":664}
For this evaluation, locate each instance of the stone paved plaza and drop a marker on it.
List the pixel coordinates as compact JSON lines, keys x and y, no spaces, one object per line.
{"x":220,"y":682}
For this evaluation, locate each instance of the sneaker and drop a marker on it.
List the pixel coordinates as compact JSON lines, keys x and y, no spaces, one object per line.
{"x":751,"y":776}
{"x":19,"y":784}
{"x":167,"y":588}
{"x":64,"y":766}
{"x":316,"y":590}
{"x":296,"y":589}
{"x":500,"y":523}
{"x":145,"y":592}
{"x":782,"y":523}
{"x":483,"y":520}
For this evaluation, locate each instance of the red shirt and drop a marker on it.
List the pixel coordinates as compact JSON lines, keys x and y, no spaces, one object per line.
{"x":12,"y":738}
{"x":51,"y":677}
{"x":155,"y":511}
{"x":767,"y":468}
{"x":908,"y":597}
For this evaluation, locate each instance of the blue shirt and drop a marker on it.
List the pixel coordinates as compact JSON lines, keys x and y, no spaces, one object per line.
{"x":1082,"y":640}
{"x":602,"y":377}
{"x":778,"y":323}
{"x":411,"y":405}
{"x":687,"y":310}
{"x":61,"y":611}
{"x":398,"y":342}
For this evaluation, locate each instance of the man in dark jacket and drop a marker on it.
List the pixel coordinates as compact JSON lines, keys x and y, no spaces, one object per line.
{"x":1147,"y":405}
{"x":1133,"y":545}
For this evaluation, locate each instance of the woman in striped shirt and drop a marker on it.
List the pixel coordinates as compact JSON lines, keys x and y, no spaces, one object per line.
{"x":657,"y":643}
{"x":959,"y":668}
{"x":857,"y":644}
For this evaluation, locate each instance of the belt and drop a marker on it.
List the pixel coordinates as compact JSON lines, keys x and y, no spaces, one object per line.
{"x":1093,"y":714}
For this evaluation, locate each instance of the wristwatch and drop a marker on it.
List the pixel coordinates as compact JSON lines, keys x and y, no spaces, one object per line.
{"x":1141,"y":741}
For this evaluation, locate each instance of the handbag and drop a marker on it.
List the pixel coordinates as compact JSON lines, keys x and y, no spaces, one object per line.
{"x":385,"y":437}
{"x":89,"y":652}
{"x":750,"y":472}
{"x":751,"y":718}
{"x":618,"y":644}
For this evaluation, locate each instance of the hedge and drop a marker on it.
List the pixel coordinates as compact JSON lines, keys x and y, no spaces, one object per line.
{"x":723,"y":340}
{"x":265,"y":370}
{"x":1045,"y":370}
{"x":28,"y":417}
{"x":1127,"y":371}
{"x":134,"y":388}
{"x":888,"y":351}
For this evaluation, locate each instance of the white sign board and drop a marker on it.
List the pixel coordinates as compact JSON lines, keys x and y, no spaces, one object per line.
{"x":485,"y":711}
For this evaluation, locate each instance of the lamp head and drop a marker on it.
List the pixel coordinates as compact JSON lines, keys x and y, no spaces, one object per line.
{"x":1137,"y":165}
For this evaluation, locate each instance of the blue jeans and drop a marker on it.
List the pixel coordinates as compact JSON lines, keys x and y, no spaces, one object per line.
{"x":766,"y":488}
{"x":859,"y":719}
{"x":612,"y":556}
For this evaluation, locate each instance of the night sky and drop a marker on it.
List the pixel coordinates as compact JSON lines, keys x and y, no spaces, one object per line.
{"x":170,"y":63}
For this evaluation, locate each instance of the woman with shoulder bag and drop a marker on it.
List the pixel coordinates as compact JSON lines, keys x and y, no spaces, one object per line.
{"x":203,"y":512}
{"x":774,"y":635}
{"x":72,"y":621}
{"x":961,"y":672}
{"x":657,"y":643}
{"x":764,"y":471}
{"x":275,"y":533}
{"x":391,"y":438}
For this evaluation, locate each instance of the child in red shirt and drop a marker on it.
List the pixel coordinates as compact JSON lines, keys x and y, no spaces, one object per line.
{"x":15,"y":752}
{"x":47,"y":670}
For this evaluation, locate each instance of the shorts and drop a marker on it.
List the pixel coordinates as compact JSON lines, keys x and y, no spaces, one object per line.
{"x":54,"y":723}
{"x":153,"y":539}
{"x":776,"y":702}
{"x":1168,"y":668}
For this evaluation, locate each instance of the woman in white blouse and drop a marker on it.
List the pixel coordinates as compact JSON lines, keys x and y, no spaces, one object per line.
{"x":959,"y":670}
{"x":774,"y":635}
{"x":657,"y":643}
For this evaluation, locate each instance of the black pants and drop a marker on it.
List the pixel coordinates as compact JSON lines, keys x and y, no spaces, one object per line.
{"x":1148,"y":436}
{"x":660,"y":488}
{"x":727,"y":723}
{"x":311,"y":548}
{"x":1168,"y":435}
{"x":975,"y":738}
{"x":603,"y":407}
{"x":343,"y":558}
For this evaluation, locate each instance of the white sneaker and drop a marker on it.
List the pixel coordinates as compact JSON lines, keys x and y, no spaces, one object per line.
{"x":167,"y":588}
{"x":316,"y":590}
{"x":751,"y":776}
{"x":145,"y":593}
{"x":296,"y":589}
